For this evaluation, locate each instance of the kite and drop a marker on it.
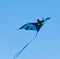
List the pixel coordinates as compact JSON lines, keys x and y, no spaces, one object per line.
{"x":32,"y":26}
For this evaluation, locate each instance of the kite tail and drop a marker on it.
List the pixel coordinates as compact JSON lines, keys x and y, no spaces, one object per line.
{"x":17,"y":54}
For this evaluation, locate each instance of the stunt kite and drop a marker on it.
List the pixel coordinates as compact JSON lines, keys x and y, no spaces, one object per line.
{"x":32,"y":26}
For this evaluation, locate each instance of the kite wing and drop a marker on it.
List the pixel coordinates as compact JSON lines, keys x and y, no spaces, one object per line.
{"x":29,"y":26}
{"x":32,"y":26}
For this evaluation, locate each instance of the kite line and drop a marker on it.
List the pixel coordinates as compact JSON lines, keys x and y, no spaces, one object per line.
{"x":18,"y":53}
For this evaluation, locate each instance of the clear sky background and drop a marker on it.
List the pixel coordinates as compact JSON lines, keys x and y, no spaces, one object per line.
{"x":15,"y":13}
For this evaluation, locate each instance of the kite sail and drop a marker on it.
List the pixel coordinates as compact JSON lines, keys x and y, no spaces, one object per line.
{"x":31,"y":26}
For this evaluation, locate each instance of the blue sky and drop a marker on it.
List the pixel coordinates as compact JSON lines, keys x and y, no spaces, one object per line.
{"x":15,"y":13}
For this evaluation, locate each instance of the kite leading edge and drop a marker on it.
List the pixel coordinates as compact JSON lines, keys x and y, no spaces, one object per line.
{"x":31,"y":26}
